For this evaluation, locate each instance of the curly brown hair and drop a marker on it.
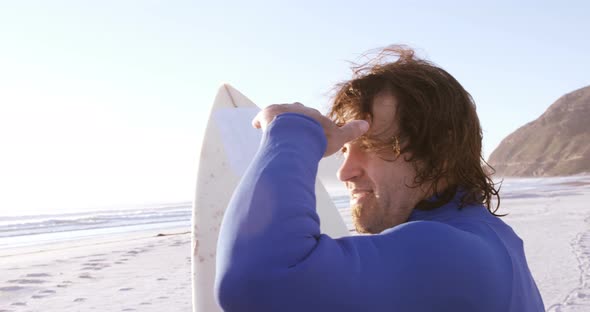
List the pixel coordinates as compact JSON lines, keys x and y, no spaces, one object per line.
{"x":439,"y":130}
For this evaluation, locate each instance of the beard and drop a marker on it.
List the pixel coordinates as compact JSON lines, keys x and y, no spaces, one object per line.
{"x":357,"y":221}
{"x":369,"y":217}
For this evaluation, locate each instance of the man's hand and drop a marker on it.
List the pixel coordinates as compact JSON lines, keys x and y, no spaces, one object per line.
{"x":336,"y":136}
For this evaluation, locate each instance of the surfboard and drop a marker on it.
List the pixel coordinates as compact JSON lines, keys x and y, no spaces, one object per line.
{"x":228,"y":147}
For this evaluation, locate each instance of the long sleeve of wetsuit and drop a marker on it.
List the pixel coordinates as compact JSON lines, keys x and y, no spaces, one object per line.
{"x":272,"y":256}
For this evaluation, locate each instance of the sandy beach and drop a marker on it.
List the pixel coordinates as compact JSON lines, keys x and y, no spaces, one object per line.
{"x":130,"y":272}
{"x":141,"y":271}
{"x":554,"y":223}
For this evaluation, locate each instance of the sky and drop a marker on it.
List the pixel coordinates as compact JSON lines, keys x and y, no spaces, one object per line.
{"x":104,"y":103}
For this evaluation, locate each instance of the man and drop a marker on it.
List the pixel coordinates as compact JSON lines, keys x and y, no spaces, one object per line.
{"x":411,"y":140}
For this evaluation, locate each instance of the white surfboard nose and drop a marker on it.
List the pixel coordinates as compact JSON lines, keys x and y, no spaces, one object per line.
{"x":228,"y":96}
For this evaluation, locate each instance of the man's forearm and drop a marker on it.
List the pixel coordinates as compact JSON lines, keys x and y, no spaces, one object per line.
{"x":271,"y":223}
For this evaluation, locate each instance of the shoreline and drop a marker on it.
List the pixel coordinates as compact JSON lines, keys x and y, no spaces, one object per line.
{"x":12,"y":251}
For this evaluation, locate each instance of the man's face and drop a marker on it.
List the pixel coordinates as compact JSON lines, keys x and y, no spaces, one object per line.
{"x":381,"y":192}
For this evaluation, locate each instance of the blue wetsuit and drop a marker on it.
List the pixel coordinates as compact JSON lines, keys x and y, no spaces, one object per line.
{"x":272,"y":256}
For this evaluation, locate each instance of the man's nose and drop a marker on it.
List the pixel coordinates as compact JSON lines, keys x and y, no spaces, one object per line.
{"x":350,"y":168}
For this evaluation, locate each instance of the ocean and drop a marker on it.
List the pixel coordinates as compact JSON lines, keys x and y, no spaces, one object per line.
{"x":20,"y":231}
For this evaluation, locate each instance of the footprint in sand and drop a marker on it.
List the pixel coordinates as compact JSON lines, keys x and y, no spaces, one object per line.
{"x":85,"y":275}
{"x":19,"y":304}
{"x":95,"y":266}
{"x":126,"y":289}
{"x":47,"y":291}
{"x":38,"y":297}
{"x":27,"y":281}
{"x":579,"y":296}
{"x":98,"y":255}
{"x":128,"y":309}
{"x":162,"y":279}
{"x":163,"y":297}
{"x":91,"y":268}
{"x":11,"y":288}
{"x":79,"y":300}
{"x":64,"y":284}
{"x":179,"y":243}
{"x":145,"y":303}
{"x":38,"y":275}
{"x":135,"y":252}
